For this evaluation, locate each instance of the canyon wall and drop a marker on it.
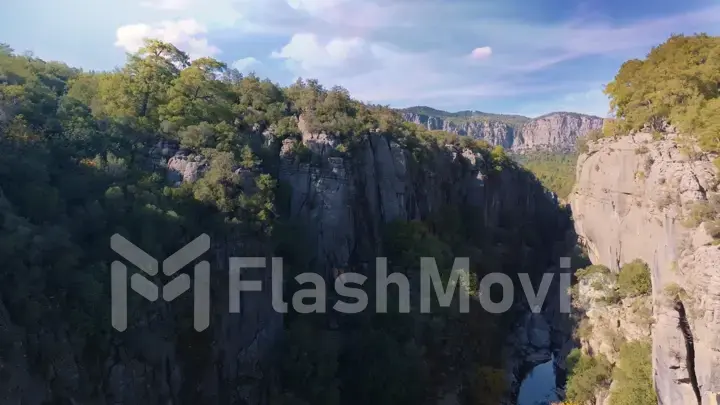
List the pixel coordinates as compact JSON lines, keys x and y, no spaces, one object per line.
{"x":556,"y":131}
{"x":640,"y":197}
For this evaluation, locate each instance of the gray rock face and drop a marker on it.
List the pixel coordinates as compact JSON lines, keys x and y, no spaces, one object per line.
{"x":628,"y":203}
{"x":556,"y":131}
{"x":186,"y":168}
{"x":344,"y":203}
{"x":346,"y":200}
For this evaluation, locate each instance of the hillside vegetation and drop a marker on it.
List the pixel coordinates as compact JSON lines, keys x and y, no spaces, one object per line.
{"x":82,"y":159}
{"x":468,"y":116}
{"x":556,"y":171}
{"x":676,"y":82}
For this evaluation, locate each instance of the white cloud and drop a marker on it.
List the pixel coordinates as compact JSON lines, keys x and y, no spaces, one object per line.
{"x":188,"y":35}
{"x":306,"y":53}
{"x":245,"y":63}
{"x":167,"y":4}
{"x":314,"y":6}
{"x":481,"y":53}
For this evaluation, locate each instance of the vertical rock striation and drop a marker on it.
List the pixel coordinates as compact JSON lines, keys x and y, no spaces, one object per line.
{"x":629,"y":202}
{"x":556,"y":131}
{"x":345,"y":201}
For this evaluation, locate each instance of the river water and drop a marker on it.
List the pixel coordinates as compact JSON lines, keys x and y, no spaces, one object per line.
{"x":539,"y":386}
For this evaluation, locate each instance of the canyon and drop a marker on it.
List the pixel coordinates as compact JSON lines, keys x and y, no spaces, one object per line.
{"x":557,"y":131}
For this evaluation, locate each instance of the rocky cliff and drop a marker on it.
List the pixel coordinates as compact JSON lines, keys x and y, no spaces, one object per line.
{"x":346,"y":201}
{"x":637,"y":197}
{"x":556,"y":131}
{"x":343,"y":201}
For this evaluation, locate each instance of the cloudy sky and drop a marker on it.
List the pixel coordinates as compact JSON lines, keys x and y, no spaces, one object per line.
{"x":509,"y":56}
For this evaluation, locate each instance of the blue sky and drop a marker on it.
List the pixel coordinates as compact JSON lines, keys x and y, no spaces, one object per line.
{"x":527,"y":57}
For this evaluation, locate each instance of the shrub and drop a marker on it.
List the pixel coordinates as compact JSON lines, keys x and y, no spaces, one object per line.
{"x":633,"y":376}
{"x":592,"y":269}
{"x":634,"y":279}
{"x":673,"y":292}
{"x":582,"y":145}
{"x":713,"y":229}
{"x":611,"y":297}
{"x":642,"y":150}
{"x":586,"y":375}
{"x":584,"y":329}
{"x":594,"y":135}
{"x":700,"y":211}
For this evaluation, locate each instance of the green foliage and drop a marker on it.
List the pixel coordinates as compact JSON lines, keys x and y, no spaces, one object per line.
{"x":701,"y":211}
{"x":584,"y":329}
{"x":634,"y":279}
{"x":488,"y":387}
{"x":594,"y":135}
{"x":677,"y":81}
{"x":593,"y":269}
{"x":582,"y":145}
{"x":460,"y":117}
{"x":673,"y":292}
{"x":555,"y":170}
{"x":586,"y":375}
{"x":499,"y":158}
{"x":633,"y":376}
{"x":80,"y":163}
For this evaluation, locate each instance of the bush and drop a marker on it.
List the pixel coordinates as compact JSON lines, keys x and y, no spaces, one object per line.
{"x":582,"y":145}
{"x":700,"y":211}
{"x":593,"y":269}
{"x":556,"y":171}
{"x":673,"y":292}
{"x":713,"y":229}
{"x":587,"y":374}
{"x":642,"y":150}
{"x":677,"y":82}
{"x":633,"y":376}
{"x":584,"y":329}
{"x":594,"y":135}
{"x":634,"y":279}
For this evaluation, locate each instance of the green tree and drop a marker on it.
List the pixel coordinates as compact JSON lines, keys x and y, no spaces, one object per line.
{"x":587,"y":375}
{"x":677,"y":81}
{"x":634,"y":376}
{"x":634,"y":279}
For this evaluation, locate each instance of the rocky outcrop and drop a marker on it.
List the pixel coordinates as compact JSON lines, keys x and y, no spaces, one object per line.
{"x":186,"y":168}
{"x":557,"y":131}
{"x":345,"y":200}
{"x":633,"y":199}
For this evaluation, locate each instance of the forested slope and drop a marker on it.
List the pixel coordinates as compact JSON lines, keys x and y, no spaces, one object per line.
{"x":164,"y":149}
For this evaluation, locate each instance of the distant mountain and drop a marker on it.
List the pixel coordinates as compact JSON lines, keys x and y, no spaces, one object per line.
{"x":556,"y":131}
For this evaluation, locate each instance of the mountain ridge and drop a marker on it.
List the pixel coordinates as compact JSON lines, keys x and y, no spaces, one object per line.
{"x":555,"y":131}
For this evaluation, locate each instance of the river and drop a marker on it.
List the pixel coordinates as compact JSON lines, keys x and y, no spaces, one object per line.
{"x":538,"y":387}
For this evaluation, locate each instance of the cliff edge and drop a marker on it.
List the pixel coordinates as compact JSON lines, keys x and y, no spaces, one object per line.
{"x":642,"y":197}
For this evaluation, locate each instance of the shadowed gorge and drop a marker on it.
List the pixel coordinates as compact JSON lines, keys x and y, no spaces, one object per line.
{"x":165,"y":149}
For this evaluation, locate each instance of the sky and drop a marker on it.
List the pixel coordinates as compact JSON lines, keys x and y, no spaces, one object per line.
{"x":526,"y":57}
